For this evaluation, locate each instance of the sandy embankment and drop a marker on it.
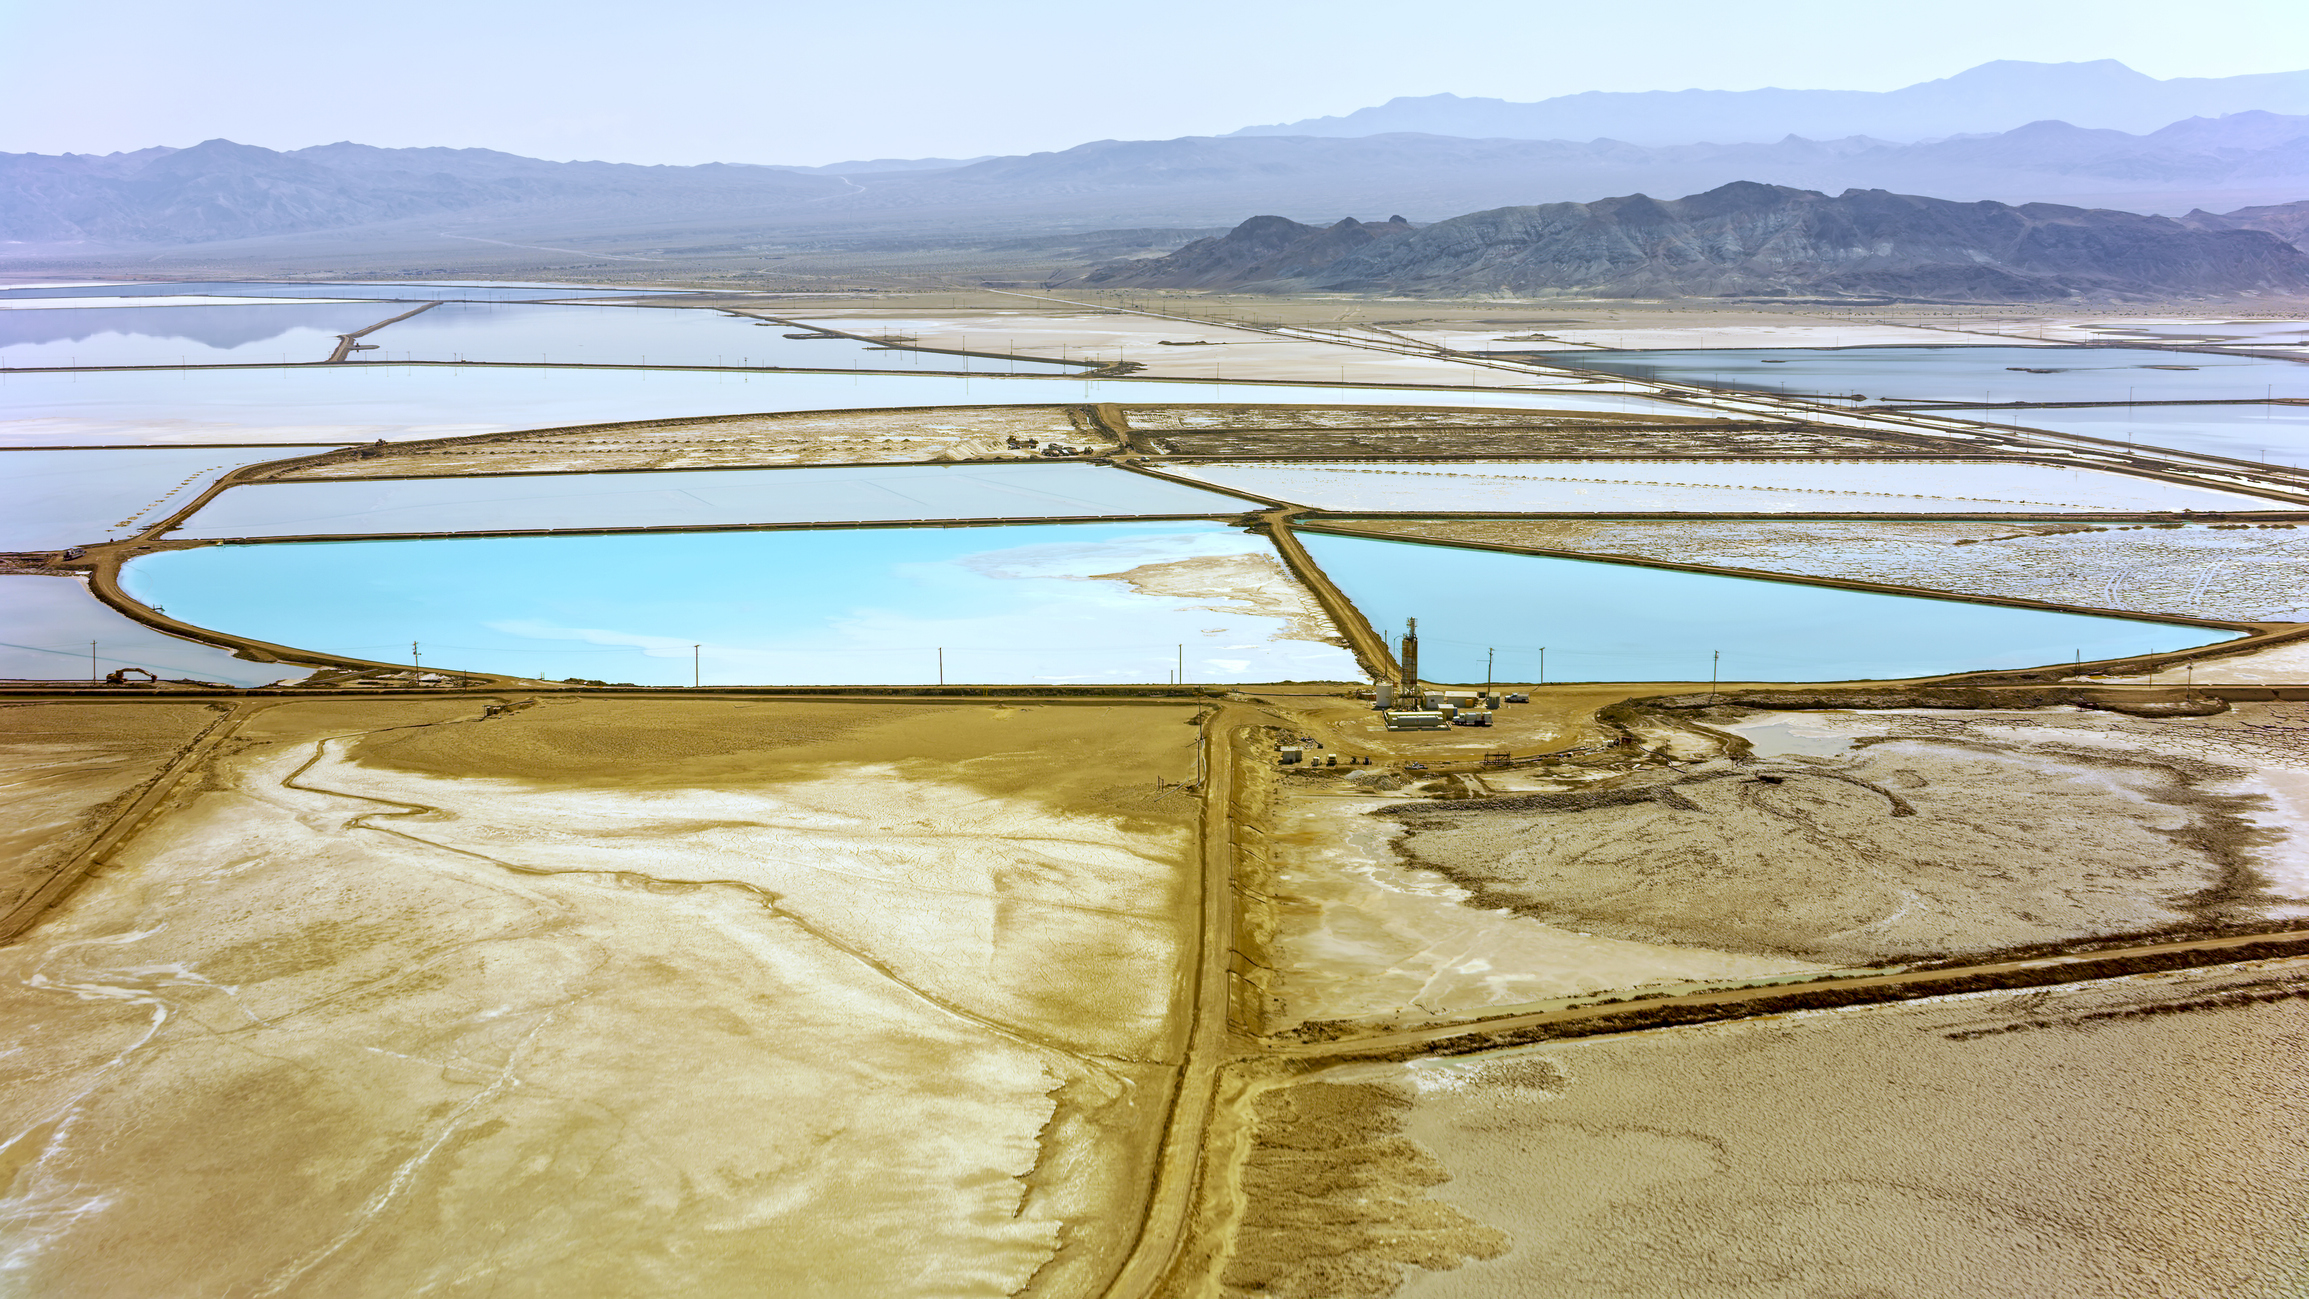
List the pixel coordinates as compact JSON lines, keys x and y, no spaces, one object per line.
{"x":860,"y":437}
{"x":2278,"y":665}
{"x":613,"y":998}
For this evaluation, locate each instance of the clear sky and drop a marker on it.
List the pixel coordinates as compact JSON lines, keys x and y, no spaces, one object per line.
{"x":775,"y":81}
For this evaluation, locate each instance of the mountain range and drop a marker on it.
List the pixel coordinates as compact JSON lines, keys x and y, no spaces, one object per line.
{"x":435,"y":209}
{"x":1746,"y":239}
{"x":1992,"y":97}
{"x":222,"y":191}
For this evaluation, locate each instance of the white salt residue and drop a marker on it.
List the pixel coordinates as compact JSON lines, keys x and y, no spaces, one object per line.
{"x":1809,"y":486}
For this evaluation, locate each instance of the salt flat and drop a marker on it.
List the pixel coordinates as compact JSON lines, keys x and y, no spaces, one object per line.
{"x":609,"y":1000}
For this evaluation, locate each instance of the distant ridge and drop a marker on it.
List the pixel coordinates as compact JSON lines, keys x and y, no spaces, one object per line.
{"x":431,"y":203}
{"x":1746,"y":239}
{"x":1992,"y":97}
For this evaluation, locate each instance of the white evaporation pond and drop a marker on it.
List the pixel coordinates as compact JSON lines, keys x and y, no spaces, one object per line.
{"x":1049,"y":603}
{"x":604,"y":335}
{"x":696,"y":498}
{"x":359,"y":403}
{"x":52,"y":629}
{"x":1986,"y":375}
{"x":373,"y":290}
{"x":1713,"y":487}
{"x":189,"y":335}
{"x":2269,"y":434}
{"x":53,"y":499}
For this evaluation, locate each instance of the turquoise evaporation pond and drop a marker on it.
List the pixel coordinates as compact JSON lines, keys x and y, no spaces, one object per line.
{"x":2278,"y":435}
{"x":602,"y":335}
{"x":694,"y":498}
{"x":350,"y":403}
{"x":1985,"y":375}
{"x":52,"y":629}
{"x":1620,"y":622}
{"x":202,"y":335}
{"x":1008,"y":604}
{"x":53,"y":499}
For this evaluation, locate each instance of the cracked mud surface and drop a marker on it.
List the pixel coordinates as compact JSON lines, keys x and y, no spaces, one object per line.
{"x":1928,"y":835}
{"x":620,"y":998}
{"x":1361,"y":935}
{"x":2124,"y":1138}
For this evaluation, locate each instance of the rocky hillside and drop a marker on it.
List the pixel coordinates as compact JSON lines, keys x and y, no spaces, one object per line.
{"x":1260,"y":249}
{"x":2287,"y":221}
{"x":1750,"y":239}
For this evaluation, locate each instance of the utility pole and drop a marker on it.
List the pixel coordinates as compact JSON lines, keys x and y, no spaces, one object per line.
{"x":1487,"y":674}
{"x":416,"y":659}
{"x":697,"y":672}
{"x":1182,"y":664}
{"x":92,"y":660}
{"x":1715,"y":663}
{"x":1411,"y":657}
{"x":942,"y":665}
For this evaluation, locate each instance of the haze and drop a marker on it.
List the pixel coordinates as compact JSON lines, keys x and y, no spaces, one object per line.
{"x":811,"y":84}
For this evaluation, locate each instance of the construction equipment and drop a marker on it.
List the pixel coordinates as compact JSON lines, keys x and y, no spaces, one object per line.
{"x":120,"y":677}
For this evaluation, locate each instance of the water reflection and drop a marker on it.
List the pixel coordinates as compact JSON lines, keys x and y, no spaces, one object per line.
{"x":181,"y":335}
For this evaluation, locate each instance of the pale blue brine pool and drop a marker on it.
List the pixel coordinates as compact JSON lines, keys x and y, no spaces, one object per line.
{"x":2271,"y":434}
{"x":694,"y":498}
{"x":358,"y":403}
{"x":53,"y":499}
{"x":1054,"y":603}
{"x":1985,"y":375}
{"x":1600,"y":621}
{"x":606,"y":335}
